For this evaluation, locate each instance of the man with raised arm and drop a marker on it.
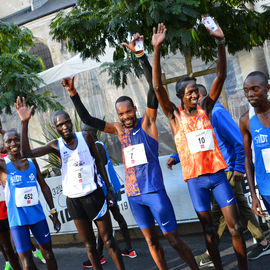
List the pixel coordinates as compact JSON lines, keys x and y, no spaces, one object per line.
{"x":202,"y":162}
{"x":20,"y":178}
{"x":80,"y":164}
{"x":255,"y":127}
{"x":144,"y":182}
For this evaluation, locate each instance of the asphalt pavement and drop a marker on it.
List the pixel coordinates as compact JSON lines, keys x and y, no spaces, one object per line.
{"x":72,"y":256}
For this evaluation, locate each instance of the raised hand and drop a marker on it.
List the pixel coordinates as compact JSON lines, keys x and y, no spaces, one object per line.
{"x":68,"y":83}
{"x":132,"y":44}
{"x":218,"y":34}
{"x":21,"y":109}
{"x":159,"y":36}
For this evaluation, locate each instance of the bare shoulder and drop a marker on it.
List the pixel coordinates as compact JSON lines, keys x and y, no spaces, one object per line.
{"x":244,"y":119}
{"x":2,"y":165}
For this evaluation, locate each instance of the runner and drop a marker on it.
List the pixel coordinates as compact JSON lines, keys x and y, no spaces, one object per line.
{"x":19,"y":177}
{"x":80,"y":164}
{"x":114,"y":208}
{"x":146,"y":193}
{"x":254,"y":126}
{"x":202,"y":162}
{"x":230,"y":143}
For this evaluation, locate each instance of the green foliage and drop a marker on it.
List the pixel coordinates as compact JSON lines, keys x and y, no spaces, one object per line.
{"x":92,"y":25}
{"x":18,"y":70}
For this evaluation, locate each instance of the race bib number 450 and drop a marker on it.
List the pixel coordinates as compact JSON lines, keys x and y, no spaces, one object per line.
{"x":135,"y":155}
{"x":26,"y":196}
{"x":200,"y":140}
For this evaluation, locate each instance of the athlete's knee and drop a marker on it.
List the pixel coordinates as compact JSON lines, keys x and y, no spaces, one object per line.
{"x":109,"y":242}
{"x":152,"y":241}
{"x":210,"y":232}
{"x":48,"y":255}
{"x":90,"y":246}
{"x":236,"y":229}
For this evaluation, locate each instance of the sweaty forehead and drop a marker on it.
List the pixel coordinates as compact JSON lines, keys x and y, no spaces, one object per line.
{"x":11,"y":135}
{"x":123,"y":105}
{"x":61,"y":118}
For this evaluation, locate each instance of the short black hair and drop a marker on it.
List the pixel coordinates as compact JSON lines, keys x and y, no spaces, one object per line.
{"x":181,"y":86}
{"x":202,"y":89}
{"x":124,"y":98}
{"x":57,"y":113}
{"x":259,"y":74}
{"x":13,"y":130}
{"x":90,"y":129}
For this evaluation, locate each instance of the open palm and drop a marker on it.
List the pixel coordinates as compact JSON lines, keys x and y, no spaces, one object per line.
{"x":21,"y":109}
{"x":159,"y":35}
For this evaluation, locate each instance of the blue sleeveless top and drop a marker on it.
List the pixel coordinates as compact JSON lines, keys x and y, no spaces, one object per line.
{"x":26,"y":215}
{"x":261,"y":143}
{"x":144,"y":178}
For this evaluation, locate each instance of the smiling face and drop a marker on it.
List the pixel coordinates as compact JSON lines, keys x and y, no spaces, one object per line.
{"x":126,"y":114}
{"x":255,"y":90}
{"x":12,"y":142}
{"x":63,"y":126}
{"x":191,"y":96}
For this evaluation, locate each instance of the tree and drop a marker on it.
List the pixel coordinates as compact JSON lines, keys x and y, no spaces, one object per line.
{"x":18,"y":70}
{"x":92,"y":25}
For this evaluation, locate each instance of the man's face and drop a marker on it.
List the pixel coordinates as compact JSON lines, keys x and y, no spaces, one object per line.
{"x":255,"y":90}
{"x":191,"y":95}
{"x":12,"y":143}
{"x":64,"y":126}
{"x":126,"y":114}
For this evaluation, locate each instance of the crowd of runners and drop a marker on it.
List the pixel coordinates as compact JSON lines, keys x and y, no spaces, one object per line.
{"x":214,"y":154}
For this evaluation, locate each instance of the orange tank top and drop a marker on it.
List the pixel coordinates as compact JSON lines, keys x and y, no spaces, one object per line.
{"x":197,"y":145}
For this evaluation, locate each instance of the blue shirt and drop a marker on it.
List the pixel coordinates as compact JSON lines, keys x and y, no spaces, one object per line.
{"x":229,"y":139}
{"x":261,"y":143}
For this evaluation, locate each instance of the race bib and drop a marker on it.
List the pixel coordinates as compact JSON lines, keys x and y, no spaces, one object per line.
{"x":200,"y":140}
{"x":266,"y":159}
{"x":2,"y":194}
{"x":80,"y":175}
{"x":135,"y":155}
{"x":26,"y":196}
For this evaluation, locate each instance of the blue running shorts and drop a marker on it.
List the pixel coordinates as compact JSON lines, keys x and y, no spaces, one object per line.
{"x":146,"y":208}
{"x":200,"y":191}
{"x":21,"y":235}
{"x":266,"y":201}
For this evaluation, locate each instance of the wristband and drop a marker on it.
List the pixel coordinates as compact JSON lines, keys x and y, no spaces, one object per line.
{"x":220,"y":41}
{"x":52,"y":211}
{"x":139,"y":55}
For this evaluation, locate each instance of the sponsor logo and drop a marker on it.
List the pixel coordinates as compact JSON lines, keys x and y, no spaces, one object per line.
{"x":228,"y":201}
{"x":258,"y":130}
{"x":165,"y":223}
{"x":46,"y":235}
{"x":32,"y":177}
{"x":261,"y":139}
{"x":134,"y":133}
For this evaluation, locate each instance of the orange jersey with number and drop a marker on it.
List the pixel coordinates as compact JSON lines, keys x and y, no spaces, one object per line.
{"x":197,"y":145}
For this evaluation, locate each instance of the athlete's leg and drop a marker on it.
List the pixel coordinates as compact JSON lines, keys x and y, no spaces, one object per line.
{"x":199,"y":190}
{"x":223,"y":194}
{"x":182,"y":249}
{"x":231,"y":216}
{"x":122,"y":224}
{"x":156,"y":250}
{"x":21,"y":239}
{"x":87,"y":235}
{"x":105,"y":230}
{"x":8,"y":251}
{"x":41,"y":233}
{"x":210,"y":236}
{"x":27,"y":260}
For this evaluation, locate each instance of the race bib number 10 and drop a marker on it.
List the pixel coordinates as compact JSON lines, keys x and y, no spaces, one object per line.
{"x":200,"y":140}
{"x":135,"y":155}
{"x":26,"y":196}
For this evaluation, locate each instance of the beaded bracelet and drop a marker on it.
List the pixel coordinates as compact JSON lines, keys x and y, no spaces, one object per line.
{"x":139,"y":55}
{"x":52,"y":211}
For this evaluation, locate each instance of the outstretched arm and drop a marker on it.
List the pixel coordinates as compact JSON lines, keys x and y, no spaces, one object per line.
{"x":221,"y":73}
{"x":48,"y":197}
{"x":152,"y":102}
{"x":249,"y":166}
{"x":167,"y":106}
{"x":25,"y":115}
{"x":85,"y":116}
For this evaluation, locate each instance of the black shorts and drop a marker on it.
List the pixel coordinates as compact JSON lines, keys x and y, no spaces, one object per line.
{"x":4,"y":226}
{"x":86,"y":207}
